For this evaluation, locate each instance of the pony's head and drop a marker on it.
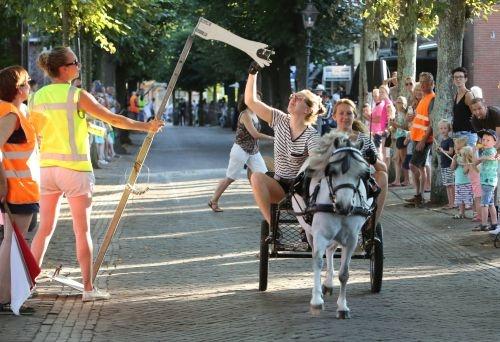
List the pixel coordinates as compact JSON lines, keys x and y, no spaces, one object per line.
{"x":343,"y":167}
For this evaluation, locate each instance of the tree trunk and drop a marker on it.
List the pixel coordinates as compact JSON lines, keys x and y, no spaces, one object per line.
{"x":66,"y":22}
{"x":407,"y":44}
{"x":86,"y":72}
{"x":450,"y":44}
{"x":369,"y":52}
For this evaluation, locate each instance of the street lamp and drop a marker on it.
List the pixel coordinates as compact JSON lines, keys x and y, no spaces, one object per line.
{"x":309,"y":15}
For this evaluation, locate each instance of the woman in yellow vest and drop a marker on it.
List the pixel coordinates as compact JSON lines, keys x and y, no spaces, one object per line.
{"x":57,"y":112}
{"x":19,"y":168}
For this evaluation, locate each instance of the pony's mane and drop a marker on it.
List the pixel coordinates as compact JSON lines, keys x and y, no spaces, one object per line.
{"x":320,"y":155}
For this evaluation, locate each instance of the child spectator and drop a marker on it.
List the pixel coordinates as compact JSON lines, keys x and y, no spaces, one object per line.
{"x":446,"y":149}
{"x":399,"y":130}
{"x":463,"y":187}
{"x":471,"y":170}
{"x":489,"y":180}
{"x":409,"y":153}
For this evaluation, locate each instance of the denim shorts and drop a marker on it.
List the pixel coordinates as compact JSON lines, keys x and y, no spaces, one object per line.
{"x":487,"y":195}
{"x":471,"y":137}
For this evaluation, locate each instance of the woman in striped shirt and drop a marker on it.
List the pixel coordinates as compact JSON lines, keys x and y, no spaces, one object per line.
{"x":294,"y":138}
{"x":344,"y":113}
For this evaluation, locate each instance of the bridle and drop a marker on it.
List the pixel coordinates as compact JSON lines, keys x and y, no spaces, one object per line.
{"x":313,"y":207}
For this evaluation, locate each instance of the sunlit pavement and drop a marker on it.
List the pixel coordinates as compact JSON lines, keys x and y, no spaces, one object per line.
{"x":179,"y":272}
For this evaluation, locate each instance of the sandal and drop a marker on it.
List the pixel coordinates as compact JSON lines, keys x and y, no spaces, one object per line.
{"x":5,"y":309}
{"x":214,"y":206}
{"x":392,"y":185}
{"x":458,"y":216}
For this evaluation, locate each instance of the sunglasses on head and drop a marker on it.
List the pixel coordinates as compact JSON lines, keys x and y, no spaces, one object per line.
{"x":301,"y":97}
{"x":75,"y":62}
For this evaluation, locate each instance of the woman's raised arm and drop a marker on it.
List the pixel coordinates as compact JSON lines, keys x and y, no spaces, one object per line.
{"x":262,"y":110}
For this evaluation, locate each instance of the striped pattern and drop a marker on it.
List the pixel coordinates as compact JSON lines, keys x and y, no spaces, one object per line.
{"x":367,"y":144}
{"x":290,"y":155}
{"x":463,"y":194}
{"x":447,"y":176}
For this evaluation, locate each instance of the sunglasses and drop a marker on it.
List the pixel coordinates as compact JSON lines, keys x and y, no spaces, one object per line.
{"x":299,"y":97}
{"x":408,"y":83}
{"x":27,"y":82}
{"x":75,"y":62}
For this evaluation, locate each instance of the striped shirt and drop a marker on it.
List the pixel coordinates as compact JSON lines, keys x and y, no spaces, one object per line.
{"x":367,"y":144}
{"x":289,"y":155}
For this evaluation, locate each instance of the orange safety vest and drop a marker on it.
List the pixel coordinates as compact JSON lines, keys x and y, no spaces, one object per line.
{"x":20,"y":162}
{"x":133,"y":104}
{"x":421,"y":121}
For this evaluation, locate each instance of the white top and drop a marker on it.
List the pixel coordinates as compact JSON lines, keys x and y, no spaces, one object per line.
{"x":289,"y":155}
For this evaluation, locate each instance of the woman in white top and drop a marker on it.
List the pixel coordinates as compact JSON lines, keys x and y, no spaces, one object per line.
{"x":344,"y":113}
{"x":245,"y":150}
{"x":294,"y":138}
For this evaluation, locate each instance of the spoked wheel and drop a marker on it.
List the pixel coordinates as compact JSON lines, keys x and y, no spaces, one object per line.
{"x":377,"y":260}
{"x":264,"y":255}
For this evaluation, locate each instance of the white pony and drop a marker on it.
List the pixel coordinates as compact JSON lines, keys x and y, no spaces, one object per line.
{"x":338,"y":203}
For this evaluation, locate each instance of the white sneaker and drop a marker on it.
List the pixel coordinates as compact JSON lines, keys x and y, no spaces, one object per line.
{"x":496,"y":231}
{"x":95,"y":294}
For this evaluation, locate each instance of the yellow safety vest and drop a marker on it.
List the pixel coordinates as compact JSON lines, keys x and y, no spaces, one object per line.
{"x":142,"y":102}
{"x":20,"y":161}
{"x":63,"y":132}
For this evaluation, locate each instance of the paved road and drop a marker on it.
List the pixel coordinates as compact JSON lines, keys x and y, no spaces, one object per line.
{"x":178,"y":272}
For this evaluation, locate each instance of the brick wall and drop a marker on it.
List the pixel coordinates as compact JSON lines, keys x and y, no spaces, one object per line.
{"x":485,"y":66}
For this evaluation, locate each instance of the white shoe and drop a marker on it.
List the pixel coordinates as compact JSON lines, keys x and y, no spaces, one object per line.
{"x":496,"y":231}
{"x":95,"y":294}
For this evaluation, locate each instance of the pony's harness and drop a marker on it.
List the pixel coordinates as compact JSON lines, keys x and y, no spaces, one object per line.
{"x":312,"y":207}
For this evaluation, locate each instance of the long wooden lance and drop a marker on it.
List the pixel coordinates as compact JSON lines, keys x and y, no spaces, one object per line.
{"x":206,"y":30}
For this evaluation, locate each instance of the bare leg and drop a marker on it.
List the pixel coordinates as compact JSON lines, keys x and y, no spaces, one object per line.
{"x":221,"y":187}
{"x":397,"y":169}
{"x":266,"y":190}
{"x":22,"y":222}
{"x":416,"y":178}
{"x":461,"y":209}
{"x":450,"y":190}
{"x":427,"y":178}
{"x":49,"y":212}
{"x":477,"y":207}
{"x":81,"y":207}
{"x":493,"y":214}
{"x":381,"y":178}
{"x":423,"y":179}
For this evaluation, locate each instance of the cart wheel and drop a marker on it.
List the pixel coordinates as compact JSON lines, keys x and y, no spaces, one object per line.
{"x":264,"y":255}
{"x":377,"y":261}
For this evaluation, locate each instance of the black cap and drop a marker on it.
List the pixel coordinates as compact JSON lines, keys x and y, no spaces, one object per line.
{"x":488,"y":132}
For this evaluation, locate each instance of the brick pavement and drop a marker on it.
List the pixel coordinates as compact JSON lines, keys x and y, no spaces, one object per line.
{"x":178,"y":272}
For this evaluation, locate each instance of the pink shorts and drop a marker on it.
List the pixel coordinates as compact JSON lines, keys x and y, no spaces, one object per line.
{"x":476,"y":183}
{"x":59,"y":180}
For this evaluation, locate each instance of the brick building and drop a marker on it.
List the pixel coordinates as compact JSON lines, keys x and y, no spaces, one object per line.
{"x":482,"y":56}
